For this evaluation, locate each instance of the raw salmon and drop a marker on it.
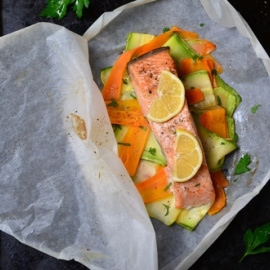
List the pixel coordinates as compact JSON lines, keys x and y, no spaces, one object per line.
{"x":144,"y":72}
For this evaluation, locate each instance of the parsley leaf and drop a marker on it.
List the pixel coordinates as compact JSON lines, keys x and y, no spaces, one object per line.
{"x":242,"y":165}
{"x":125,"y":81}
{"x":253,"y":240}
{"x":165,"y":29}
{"x":255,"y":108}
{"x":202,"y":24}
{"x":125,"y":144}
{"x":58,"y":8}
{"x":168,"y":186}
{"x":116,"y":127}
{"x":133,"y":95}
{"x":113,"y":103}
{"x":214,"y":72}
{"x":152,"y":151}
{"x":196,"y":57}
{"x":143,"y":128}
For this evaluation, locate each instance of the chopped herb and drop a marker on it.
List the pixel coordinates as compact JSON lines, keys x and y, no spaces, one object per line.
{"x":168,"y":186}
{"x":192,"y":87}
{"x":213,"y":72}
{"x":219,"y":101}
{"x":235,"y":180}
{"x":202,"y":24}
{"x":175,"y":133}
{"x":152,"y":151}
{"x":125,"y":81}
{"x":197,"y":185}
{"x":255,"y":108}
{"x":165,"y":29}
{"x":222,"y":143}
{"x":167,"y":209}
{"x":126,"y":144}
{"x":143,"y":128}
{"x":116,"y":126}
{"x":196,"y":57}
{"x":252,"y":240}
{"x":113,"y":103}
{"x":133,"y":95}
{"x":58,"y":8}
{"x":242,"y":165}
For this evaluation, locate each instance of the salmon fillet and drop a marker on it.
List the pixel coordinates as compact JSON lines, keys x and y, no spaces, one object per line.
{"x":144,"y":73}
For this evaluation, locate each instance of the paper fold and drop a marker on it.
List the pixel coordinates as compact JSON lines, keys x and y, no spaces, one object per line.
{"x":64,"y":190}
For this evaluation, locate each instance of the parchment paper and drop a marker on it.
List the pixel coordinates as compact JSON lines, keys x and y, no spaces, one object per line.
{"x":244,"y":61}
{"x":63,"y":190}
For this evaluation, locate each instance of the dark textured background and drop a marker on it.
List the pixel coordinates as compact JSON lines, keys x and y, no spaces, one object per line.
{"x":229,"y":247}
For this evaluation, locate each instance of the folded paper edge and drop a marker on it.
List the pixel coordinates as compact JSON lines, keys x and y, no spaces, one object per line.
{"x":223,"y":13}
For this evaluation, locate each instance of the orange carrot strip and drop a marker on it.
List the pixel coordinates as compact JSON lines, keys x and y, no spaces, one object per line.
{"x":112,"y":88}
{"x":132,"y":146}
{"x":113,"y":85}
{"x":126,"y":112}
{"x":215,"y":120}
{"x":219,"y":178}
{"x":220,"y":200}
{"x":211,"y":65}
{"x":189,"y":65}
{"x":131,"y":104}
{"x":217,"y":65}
{"x":194,"y":96}
{"x":186,"y":35}
{"x":129,"y":118}
{"x":155,"y":187}
{"x":202,"y":47}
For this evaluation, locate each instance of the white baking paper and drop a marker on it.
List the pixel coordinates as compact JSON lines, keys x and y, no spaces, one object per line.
{"x":245,"y":64}
{"x":63,"y":190}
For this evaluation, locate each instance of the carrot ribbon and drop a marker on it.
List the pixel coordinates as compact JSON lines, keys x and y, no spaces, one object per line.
{"x":127,"y":112}
{"x":112,"y":88}
{"x":215,"y":121}
{"x":202,"y":47}
{"x":219,"y":183}
{"x":132,"y":146}
{"x":155,"y":187}
{"x":194,"y":96}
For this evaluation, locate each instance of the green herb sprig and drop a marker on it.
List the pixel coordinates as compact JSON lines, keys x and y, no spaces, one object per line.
{"x":113,"y":103}
{"x":253,"y":241}
{"x":168,"y":186}
{"x":152,"y":151}
{"x":242,"y":165}
{"x":58,"y":8}
{"x":125,"y":144}
{"x":165,"y":29}
{"x":255,"y":108}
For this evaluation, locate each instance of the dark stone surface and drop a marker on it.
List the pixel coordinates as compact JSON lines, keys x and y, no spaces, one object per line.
{"x":229,"y":247}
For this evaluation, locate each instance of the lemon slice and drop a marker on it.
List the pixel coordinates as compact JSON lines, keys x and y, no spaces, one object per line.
{"x":171,"y":98}
{"x":188,"y":158}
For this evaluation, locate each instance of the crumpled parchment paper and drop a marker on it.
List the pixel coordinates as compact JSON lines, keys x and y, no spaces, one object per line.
{"x":63,"y":189}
